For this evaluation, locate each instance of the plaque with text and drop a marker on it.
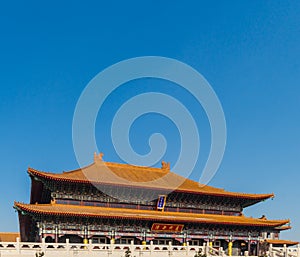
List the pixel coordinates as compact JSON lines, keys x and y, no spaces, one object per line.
{"x":158,"y":227}
{"x":161,"y":202}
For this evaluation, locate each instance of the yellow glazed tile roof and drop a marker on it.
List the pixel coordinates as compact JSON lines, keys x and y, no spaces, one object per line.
{"x":281,"y":242}
{"x":121,"y":213}
{"x":9,"y":236}
{"x":108,"y":173}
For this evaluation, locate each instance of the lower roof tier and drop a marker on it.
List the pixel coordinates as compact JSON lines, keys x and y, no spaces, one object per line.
{"x":54,"y":209}
{"x":281,"y":242}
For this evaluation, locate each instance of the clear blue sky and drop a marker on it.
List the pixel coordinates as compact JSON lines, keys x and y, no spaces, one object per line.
{"x":249,"y":51}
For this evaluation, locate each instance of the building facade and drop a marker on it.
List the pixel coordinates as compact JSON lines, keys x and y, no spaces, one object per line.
{"x":119,"y":203}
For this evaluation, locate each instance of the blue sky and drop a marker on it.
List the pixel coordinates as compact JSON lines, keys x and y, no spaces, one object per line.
{"x":249,"y":51}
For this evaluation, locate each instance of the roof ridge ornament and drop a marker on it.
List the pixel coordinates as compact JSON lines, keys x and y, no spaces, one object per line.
{"x":165,"y":165}
{"x":263,"y":217}
{"x":98,"y":157}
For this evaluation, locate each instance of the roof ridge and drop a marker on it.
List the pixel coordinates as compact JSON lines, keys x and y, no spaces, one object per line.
{"x":135,"y":166}
{"x":9,"y":232}
{"x":114,"y":164}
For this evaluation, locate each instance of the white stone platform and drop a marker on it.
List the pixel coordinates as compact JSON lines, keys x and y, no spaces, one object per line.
{"x":18,"y":249}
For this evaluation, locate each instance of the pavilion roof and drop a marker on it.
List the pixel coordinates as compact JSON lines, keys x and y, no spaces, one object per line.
{"x":126,"y":175}
{"x":122,"y":213}
{"x":9,"y":236}
{"x":281,"y":242}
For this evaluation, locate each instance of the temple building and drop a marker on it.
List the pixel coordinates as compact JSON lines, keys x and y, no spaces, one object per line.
{"x":117,"y":203}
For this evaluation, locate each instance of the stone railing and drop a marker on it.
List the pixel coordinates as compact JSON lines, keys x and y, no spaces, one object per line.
{"x":18,"y":249}
{"x":284,"y":251}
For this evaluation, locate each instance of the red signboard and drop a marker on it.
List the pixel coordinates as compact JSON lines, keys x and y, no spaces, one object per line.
{"x":158,"y":227}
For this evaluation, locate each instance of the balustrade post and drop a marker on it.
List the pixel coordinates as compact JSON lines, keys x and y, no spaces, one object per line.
{"x":187,"y":248}
{"x":43,"y":245}
{"x":90,"y":246}
{"x":170,"y":248}
{"x":221,"y":252}
{"x":298,"y":250}
{"x":132,"y":246}
{"x":151,"y":247}
{"x":271,"y":250}
{"x":68,"y":246}
{"x":285,"y":250}
{"x":18,"y":248}
{"x":112,"y":242}
{"x":205,"y":249}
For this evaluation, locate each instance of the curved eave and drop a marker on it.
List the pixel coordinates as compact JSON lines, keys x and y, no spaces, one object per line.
{"x":281,"y":242}
{"x":254,"y":198}
{"x":118,"y":213}
{"x":281,"y":228}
